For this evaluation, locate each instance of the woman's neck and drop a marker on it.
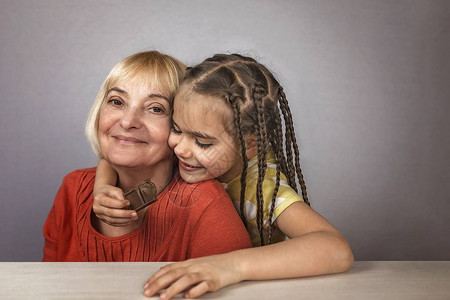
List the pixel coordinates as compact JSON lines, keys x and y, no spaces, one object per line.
{"x":160,"y":175}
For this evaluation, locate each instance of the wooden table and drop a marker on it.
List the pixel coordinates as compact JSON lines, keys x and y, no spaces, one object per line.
{"x":379,"y":280}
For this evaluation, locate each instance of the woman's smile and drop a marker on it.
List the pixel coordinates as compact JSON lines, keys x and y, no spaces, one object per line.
{"x":128,"y":140}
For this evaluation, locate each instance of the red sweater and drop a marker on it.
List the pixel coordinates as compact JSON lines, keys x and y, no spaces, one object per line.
{"x":188,"y":220}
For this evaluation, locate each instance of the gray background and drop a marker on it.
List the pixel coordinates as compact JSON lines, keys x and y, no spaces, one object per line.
{"x":368,"y":83}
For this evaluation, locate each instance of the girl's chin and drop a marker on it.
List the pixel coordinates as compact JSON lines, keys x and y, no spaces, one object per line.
{"x":193,"y":178}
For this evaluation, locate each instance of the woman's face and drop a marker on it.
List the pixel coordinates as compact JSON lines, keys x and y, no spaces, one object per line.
{"x":134,"y":126}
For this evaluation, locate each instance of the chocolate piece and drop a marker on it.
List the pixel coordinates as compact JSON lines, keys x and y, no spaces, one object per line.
{"x":141,"y":195}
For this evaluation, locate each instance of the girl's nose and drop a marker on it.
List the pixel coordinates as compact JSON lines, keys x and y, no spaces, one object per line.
{"x":131,"y":118}
{"x":182,"y":148}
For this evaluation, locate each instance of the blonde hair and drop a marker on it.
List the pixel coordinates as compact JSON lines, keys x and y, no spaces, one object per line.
{"x":162,"y":71}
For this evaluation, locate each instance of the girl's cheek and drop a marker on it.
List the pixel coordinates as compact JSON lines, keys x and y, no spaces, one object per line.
{"x":172,"y":140}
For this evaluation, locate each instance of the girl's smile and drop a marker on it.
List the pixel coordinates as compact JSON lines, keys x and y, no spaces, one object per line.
{"x":188,"y":167}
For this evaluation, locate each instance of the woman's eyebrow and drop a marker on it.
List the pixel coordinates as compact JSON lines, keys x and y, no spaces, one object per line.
{"x":158,"y":96}
{"x":116,"y":89}
{"x":153,"y":95}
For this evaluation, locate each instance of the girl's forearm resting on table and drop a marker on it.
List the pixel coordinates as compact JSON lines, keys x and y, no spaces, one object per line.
{"x":315,"y":247}
{"x":312,"y":254}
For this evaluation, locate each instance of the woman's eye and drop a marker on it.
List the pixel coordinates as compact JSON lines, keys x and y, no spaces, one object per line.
{"x":202,"y":145}
{"x":115,"y":102}
{"x":156,"y":109}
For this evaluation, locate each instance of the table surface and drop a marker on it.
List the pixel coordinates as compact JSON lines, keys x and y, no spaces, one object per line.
{"x":366,"y":280}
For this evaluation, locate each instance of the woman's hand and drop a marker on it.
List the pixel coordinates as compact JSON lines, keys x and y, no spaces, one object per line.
{"x":194,"y":276}
{"x":109,"y":205}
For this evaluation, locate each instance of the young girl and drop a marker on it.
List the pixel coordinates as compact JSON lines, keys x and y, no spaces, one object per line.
{"x":231,"y":121}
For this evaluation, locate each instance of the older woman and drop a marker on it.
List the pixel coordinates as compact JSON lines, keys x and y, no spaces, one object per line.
{"x":128,"y":126}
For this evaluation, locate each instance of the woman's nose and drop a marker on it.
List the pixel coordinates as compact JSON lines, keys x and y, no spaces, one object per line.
{"x":131,"y":119}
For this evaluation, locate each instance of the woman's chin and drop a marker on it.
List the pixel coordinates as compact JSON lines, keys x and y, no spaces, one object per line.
{"x":123,"y":162}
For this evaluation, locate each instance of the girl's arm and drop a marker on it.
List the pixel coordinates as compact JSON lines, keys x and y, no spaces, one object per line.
{"x":315,"y":247}
{"x":108,"y":199}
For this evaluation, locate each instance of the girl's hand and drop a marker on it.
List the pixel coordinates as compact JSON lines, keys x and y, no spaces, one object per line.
{"x":109,"y":206}
{"x":194,"y":276}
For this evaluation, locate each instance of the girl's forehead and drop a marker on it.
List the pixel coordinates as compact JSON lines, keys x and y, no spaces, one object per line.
{"x":191,"y":113}
{"x":201,"y":103}
{"x":201,"y":110}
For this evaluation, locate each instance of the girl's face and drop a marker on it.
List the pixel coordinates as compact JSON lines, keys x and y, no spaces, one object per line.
{"x":204,"y":148}
{"x":134,"y":126}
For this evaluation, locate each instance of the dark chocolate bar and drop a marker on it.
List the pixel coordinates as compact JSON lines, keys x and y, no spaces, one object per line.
{"x":141,"y":195}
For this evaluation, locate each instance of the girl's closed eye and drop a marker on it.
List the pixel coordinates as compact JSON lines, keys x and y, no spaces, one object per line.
{"x":202,"y":145}
{"x":175,"y":130}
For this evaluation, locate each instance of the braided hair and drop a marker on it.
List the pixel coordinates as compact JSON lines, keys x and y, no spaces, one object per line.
{"x":260,"y":107}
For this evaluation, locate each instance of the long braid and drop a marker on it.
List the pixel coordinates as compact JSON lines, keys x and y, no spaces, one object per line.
{"x":258,"y":94}
{"x":288,"y":134}
{"x":259,"y":194}
{"x":237,"y":124}
{"x":289,"y":156}
{"x":272,"y":206}
{"x":277,"y":141}
{"x":290,"y":125}
{"x":277,"y":145}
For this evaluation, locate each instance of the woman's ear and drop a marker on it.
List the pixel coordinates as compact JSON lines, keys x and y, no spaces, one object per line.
{"x":251,"y":148}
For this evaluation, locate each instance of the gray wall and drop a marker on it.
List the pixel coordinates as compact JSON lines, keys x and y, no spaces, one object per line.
{"x":368,"y":83}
